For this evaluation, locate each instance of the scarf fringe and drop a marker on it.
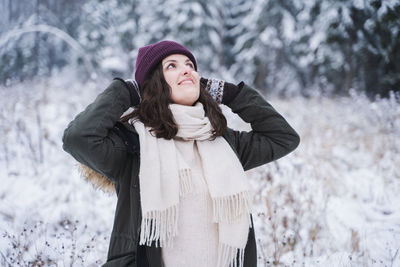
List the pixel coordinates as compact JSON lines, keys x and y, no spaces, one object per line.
{"x":185,"y":182}
{"x":231,"y":208}
{"x":230,"y":256}
{"x":160,"y":227}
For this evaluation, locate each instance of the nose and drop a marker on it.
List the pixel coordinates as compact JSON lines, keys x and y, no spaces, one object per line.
{"x":186,"y":70}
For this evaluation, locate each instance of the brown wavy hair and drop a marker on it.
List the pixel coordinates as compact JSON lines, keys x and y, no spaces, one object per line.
{"x":154,"y":113}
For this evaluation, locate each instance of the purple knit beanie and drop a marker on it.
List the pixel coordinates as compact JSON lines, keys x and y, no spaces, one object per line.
{"x":150,"y":55}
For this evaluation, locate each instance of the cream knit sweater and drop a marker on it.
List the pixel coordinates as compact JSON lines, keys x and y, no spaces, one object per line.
{"x":196,"y":244}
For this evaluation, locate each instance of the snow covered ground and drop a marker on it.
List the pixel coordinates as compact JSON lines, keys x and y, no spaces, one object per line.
{"x":332,"y":202}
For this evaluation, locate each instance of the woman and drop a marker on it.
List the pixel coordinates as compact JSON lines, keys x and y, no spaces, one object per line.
{"x":177,"y":169}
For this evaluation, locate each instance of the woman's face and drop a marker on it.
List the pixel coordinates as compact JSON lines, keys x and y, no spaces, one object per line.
{"x":183,"y":80}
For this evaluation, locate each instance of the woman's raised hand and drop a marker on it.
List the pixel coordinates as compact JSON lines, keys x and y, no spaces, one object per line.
{"x":221,"y":91}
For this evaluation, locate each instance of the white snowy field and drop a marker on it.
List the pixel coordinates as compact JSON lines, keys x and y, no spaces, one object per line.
{"x":332,"y":202}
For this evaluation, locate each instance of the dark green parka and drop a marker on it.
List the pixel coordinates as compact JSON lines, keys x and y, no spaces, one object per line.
{"x":99,"y":141}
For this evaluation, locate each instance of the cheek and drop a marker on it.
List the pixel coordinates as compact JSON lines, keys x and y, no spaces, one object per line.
{"x":168,"y":78}
{"x":197,"y":77}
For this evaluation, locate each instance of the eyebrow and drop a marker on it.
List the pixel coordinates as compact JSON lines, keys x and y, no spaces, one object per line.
{"x":173,"y":60}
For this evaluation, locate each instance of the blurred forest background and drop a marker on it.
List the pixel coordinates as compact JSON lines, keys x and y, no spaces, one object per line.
{"x":287,"y":47}
{"x":330,"y":67}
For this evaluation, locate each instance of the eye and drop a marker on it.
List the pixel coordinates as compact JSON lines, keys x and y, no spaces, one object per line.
{"x":190,"y":64}
{"x":170,"y":66}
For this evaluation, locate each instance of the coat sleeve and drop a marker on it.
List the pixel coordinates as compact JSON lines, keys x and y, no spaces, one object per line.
{"x":89,"y":139}
{"x":271,"y":137}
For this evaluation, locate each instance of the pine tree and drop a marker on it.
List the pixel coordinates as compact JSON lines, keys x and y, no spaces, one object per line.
{"x":109,"y":32}
{"x":367,"y":38}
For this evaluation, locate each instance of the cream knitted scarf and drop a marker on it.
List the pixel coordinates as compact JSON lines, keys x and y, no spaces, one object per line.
{"x":165,"y":177}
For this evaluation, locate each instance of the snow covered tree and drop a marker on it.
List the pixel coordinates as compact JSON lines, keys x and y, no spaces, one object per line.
{"x":285,"y":46}
{"x":34,"y":53}
{"x":365,"y":37}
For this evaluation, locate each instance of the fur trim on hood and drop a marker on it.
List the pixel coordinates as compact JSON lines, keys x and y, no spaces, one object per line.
{"x":98,"y":180}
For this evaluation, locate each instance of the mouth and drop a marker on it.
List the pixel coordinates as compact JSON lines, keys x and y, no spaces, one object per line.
{"x":186,"y":81}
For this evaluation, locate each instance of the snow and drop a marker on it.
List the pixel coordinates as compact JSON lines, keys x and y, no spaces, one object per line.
{"x":332,"y":202}
{"x":114,"y":63}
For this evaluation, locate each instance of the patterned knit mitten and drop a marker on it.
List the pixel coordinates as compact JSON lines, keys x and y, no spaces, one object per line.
{"x":222,"y":92}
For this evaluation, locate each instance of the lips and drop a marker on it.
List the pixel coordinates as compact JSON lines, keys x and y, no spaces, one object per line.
{"x":186,"y":81}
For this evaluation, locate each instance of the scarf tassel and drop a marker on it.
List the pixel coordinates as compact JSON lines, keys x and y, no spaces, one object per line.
{"x":230,"y":256}
{"x":159,"y":226}
{"x":231,"y":208}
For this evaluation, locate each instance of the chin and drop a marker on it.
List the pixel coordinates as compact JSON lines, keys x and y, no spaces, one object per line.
{"x":190,"y":101}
